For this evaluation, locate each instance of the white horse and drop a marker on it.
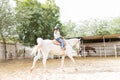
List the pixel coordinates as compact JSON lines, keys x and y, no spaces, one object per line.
{"x":46,"y":47}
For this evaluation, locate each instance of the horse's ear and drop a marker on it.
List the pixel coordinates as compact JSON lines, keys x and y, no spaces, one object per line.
{"x":79,"y":39}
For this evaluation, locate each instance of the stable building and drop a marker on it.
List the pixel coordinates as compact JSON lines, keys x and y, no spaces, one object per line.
{"x":106,"y":45}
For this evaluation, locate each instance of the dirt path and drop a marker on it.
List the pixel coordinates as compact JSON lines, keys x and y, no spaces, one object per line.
{"x":89,"y":68}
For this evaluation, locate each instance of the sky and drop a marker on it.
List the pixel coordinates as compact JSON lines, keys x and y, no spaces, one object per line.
{"x":76,"y":10}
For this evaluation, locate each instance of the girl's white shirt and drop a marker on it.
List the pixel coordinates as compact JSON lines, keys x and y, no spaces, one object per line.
{"x":56,"y":34}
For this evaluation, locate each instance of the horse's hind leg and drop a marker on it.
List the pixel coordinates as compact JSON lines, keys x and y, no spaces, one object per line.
{"x":45,"y":56}
{"x":62,"y":62}
{"x":35,"y":60}
{"x":44,"y":64}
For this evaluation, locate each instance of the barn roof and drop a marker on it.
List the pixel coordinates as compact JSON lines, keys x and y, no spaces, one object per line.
{"x":101,"y":37}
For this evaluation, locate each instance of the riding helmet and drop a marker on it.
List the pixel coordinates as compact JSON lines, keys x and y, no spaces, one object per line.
{"x":57,"y":27}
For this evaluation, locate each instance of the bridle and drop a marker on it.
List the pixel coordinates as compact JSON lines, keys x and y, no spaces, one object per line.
{"x":74,"y":46}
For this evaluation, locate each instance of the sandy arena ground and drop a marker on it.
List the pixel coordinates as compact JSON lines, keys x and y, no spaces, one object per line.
{"x":89,"y":68}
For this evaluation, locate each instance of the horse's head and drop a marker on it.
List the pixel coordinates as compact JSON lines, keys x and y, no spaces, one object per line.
{"x":72,"y":45}
{"x":75,"y":43}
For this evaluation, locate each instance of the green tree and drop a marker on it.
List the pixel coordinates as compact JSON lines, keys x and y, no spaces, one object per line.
{"x":7,"y":19}
{"x":38,"y":20}
{"x":100,"y":27}
{"x":114,"y":25}
{"x":94,"y":27}
{"x":69,"y":29}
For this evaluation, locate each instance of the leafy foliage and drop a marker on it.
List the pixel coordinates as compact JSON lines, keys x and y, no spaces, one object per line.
{"x":38,"y":20}
{"x":7,"y":22}
{"x":7,"y":18}
{"x":93,"y":27}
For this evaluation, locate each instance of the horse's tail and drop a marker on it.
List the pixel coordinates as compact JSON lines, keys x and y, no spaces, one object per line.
{"x":39,"y":41}
{"x":34,"y":51}
{"x":37,"y":47}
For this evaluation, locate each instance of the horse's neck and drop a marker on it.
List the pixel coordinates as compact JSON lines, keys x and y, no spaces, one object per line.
{"x":70,"y":42}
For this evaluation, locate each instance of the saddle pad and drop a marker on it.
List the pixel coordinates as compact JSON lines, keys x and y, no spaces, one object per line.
{"x":57,"y":43}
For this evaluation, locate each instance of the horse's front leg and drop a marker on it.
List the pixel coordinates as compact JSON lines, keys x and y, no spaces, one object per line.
{"x":62,"y":63}
{"x":71,"y":57}
{"x":79,"y":53}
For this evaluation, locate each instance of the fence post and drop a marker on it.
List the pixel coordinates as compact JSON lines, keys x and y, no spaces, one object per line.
{"x":84,"y":51}
{"x":100,"y":51}
{"x":115,"y":51}
{"x":105,"y":50}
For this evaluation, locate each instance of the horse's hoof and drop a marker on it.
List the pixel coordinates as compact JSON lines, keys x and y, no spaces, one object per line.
{"x":61,"y":69}
{"x":76,"y":69}
{"x":79,"y":56}
{"x":31,"y":70}
{"x":46,"y":71}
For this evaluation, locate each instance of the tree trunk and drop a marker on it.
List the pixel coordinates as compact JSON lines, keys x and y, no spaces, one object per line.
{"x":15,"y":50}
{"x":4,"y":49}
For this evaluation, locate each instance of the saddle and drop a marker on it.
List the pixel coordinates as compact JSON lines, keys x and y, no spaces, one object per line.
{"x":57,"y":43}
